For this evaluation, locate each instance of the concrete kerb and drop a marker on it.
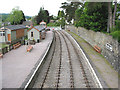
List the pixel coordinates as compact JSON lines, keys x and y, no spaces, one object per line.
{"x":100,"y":83}
{"x":28,"y":83}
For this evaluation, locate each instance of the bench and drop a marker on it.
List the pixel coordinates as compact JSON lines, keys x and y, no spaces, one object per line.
{"x":98,"y":49}
{"x":29,"y":48}
{"x":16,"y":45}
{"x":1,"y":55}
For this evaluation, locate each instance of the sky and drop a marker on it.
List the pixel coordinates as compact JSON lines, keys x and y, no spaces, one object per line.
{"x":31,"y":7}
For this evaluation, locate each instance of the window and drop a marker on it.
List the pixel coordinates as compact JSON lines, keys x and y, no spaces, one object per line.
{"x":31,"y":34}
{"x":2,"y":34}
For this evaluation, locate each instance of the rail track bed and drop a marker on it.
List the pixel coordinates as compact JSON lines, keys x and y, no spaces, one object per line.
{"x":64,"y":66}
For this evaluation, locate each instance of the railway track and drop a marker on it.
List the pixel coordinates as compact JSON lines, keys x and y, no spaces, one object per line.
{"x":81,"y":65}
{"x":64,"y":67}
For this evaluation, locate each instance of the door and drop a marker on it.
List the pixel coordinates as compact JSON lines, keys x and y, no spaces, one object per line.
{"x":9,"y":37}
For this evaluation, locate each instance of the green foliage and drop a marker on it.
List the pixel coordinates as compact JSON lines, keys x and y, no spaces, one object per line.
{"x":4,"y":17}
{"x":70,"y":9}
{"x":42,"y":15}
{"x":53,"y":24}
{"x":16,"y":16}
{"x":61,"y":14}
{"x":62,"y":22}
{"x":116,"y":35}
{"x":34,"y":21}
{"x":117,"y":24}
{"x":94,"y":18}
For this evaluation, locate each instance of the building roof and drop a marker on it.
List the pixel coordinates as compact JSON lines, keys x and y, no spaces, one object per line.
{"x":42,"y":22}
{"x":38,"y":28}
{"x":15,"y":27}
{"x":27,"y":23}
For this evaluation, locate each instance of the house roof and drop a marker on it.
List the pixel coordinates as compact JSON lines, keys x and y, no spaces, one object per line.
{"x":38,"y":28}
{"x":42,"y":22}
{"x":27,"y":23}
{"x":15,"y":27}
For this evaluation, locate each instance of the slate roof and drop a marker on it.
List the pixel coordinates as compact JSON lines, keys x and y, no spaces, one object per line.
{"x":27,"y":23}
{"x":15,"y":27}
{"x":40,"y":28}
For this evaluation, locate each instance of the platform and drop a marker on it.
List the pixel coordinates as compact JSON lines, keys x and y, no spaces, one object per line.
{"x":18,"y":64}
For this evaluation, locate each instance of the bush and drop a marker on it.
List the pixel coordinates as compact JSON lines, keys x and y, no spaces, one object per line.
{"x":116,"y":35}
{"x":53,"y":24}
{"x":118,"y":24}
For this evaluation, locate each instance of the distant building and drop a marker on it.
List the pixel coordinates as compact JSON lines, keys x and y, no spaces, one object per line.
{"x":12,"y":32}
{"x":43,"y":24}
{"x":28,"y":24}
{"x":6,"y":23}
{"x":52,"y":21}
{"x":35,"y":33}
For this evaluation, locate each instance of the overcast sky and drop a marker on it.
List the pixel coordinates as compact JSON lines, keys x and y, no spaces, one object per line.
{"x":31,"y":7}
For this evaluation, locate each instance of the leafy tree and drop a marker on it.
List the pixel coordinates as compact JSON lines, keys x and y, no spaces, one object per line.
{"x":70,"y":9}
{"x":23,"y":17}
{"x":94,"y":18}
{"x":78,"y":14}
{"x":42,"y":15}
{"x":16,"y":16}
{"x":111,"y":14}
{"x":4,"y":17}
{"x":33,"y":19}
{"x":62,"y":22}
{"x":61,"y":14}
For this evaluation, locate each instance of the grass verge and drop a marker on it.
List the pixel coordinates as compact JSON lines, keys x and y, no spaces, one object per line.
{"x":89,"y":50}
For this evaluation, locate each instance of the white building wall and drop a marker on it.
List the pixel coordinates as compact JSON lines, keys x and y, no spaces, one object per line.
{"x":8,"y":31}
{"x":25,"y":32}
{"x":2,"y":38}
{"x":36,"y":34}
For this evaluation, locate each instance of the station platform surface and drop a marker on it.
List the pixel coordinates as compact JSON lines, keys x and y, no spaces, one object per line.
{"x":17,"y":64}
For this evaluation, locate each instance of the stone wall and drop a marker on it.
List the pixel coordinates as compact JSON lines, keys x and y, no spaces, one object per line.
{"x":110,"y":47}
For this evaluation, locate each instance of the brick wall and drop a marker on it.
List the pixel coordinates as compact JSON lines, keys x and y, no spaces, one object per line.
{"x":19,"y":33}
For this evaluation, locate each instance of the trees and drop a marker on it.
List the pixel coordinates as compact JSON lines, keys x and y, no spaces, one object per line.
{"x":70,"y":9}
{"x":111,"y":16}
{"x":109,"y":26}
{"x":114,"y":14}
{"x":16,"y":16}
{"x":61,"y":14}
{"x":42,"y":15}
{"x":106,"y":8}
{"x":78,"y":14}
{"x":94,"y":18}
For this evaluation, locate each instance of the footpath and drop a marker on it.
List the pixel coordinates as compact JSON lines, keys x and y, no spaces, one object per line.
{"x":102,"y":66}
{"x":18,"y":64}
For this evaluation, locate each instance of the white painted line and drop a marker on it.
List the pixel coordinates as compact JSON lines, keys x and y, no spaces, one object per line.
{"x":38,"y":65}
{"x":100,"y":85}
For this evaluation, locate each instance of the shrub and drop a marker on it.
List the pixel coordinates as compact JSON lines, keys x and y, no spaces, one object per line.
{"x":116,"y":35}
{"x":118,"y":24}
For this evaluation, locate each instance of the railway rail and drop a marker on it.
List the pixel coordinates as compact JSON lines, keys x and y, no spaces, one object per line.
{"x":64,"y":66}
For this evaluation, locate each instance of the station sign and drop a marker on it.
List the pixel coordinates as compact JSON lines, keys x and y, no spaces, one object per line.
{"x":109,"y":47}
